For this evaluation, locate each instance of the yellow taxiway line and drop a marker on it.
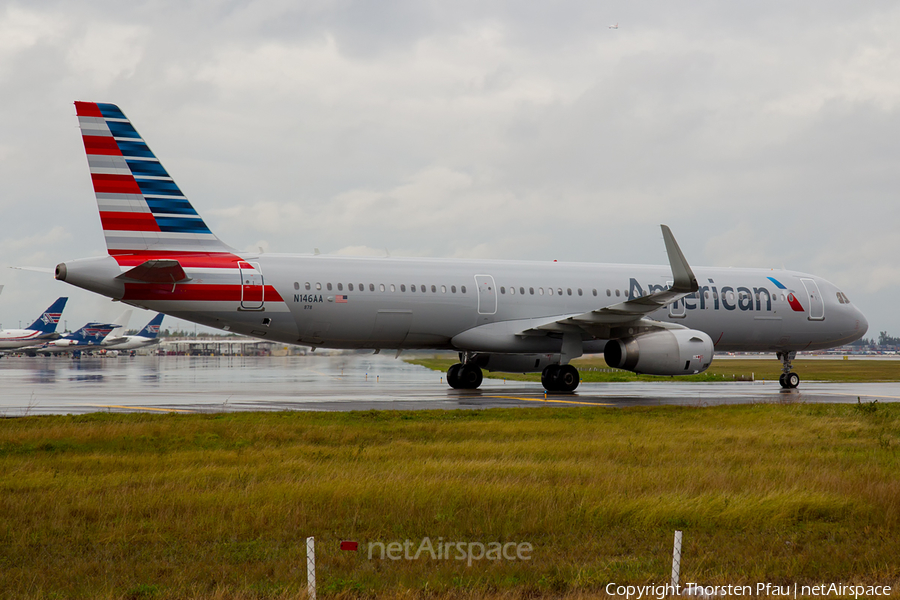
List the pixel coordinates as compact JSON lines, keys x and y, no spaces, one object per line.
{"x":548,"y":400}
{"x":177,"y":410}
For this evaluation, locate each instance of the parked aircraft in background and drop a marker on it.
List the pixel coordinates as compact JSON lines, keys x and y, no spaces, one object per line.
{"x":148,"y":336}
{"x":122,"y":329}
{"x":42,"y":329}
{"x":616,"y":26}
{"x":512,"y":316}
{"x":89,"y":337}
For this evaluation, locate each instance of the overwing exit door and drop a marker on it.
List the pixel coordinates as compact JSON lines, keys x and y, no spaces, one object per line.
{"x":487,"y":294}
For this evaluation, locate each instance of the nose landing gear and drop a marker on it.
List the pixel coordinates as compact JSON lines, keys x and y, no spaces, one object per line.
{"x":788,"y":380}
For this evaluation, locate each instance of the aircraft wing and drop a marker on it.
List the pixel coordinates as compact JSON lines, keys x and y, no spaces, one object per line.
{"x":603,"y":322}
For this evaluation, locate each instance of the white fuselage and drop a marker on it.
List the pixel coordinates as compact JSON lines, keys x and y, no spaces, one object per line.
{"x":129,"y":342}
{"x":20,"y":338}
{"x":469,"y":305}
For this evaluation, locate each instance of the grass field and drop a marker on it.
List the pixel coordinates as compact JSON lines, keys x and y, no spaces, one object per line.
{"x":727,"y":369}
{"x":218,"y":506}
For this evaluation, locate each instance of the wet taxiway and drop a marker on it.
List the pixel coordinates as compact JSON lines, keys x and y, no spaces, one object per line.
{"x":61,"y":385}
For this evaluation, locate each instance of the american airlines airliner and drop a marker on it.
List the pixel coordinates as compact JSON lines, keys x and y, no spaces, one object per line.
{"x":511,"y":316}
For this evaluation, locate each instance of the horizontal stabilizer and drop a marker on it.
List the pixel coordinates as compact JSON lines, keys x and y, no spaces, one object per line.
{"x":156,"y":271}
{"x":35,"y":269}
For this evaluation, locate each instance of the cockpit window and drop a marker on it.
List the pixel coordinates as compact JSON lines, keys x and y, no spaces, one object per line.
{"x":842,"y":298}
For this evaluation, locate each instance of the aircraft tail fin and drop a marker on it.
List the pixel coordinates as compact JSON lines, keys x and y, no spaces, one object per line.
{"x":93,"y":333}
{"x":142,"y":210}
{"x":48,"y":321}
{"x":151,"y":331}
{"x":122,"y":323}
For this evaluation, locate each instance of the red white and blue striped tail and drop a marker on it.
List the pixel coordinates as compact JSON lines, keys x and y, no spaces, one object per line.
{"x":142,"y":210}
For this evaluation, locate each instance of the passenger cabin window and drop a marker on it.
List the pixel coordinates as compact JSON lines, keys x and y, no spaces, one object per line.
{"x":617,"y":293}
{"x":307,"y":286}
{"x":318,"y":286}
{"x":453,"y":289}
{"x":412,"y":288}
{"x":502,"y":290}
{"x":402,"y":287}
{"x":381,"y":287}
{"x":462,"y":289}
{"x":512,"y":291}
{"x":608,"y":292}
{"x":595,"y":291}
{"x":423,"y":289}
{"x":393,"y":288}
{"x":350,"y":286}
{"x":531,"y":291}
{"x":340,"y":286}
{"x":362,"y":288}
{"x":296,"y":285}
{"x":443,"y":289}
{"x":569,"y":291}
{"x":433,"y":289}
{"x":522,"y":291}
{"x":579,"y":292}
{"x":328,"y":286}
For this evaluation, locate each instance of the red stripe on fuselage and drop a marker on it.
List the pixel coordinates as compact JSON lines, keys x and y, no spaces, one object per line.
{"x":87,"y":109}
{"x":187,"y":292}
{"x":115,"y":184}
{"x":128,"y":221}
{"x":98,"y":144}
{"x":220,"y":260}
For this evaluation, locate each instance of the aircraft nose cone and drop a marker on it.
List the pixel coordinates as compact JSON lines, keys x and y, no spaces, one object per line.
{"x":863,"y":324}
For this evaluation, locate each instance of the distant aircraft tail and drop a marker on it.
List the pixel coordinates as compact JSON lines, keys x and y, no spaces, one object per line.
{"x":152,"y":328}
{"x":122,"y":322}
{"x":142,"y":210}
{"x":92,"y":333}
{"x":48,"y":321}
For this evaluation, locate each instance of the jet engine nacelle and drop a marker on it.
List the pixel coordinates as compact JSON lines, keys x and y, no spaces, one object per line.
{"x":666,"y":352}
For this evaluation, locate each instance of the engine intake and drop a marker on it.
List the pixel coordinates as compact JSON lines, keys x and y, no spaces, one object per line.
{"x":666,"y":352}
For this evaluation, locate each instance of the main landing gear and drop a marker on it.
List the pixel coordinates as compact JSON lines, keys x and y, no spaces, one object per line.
{"x":788,"y":380}
{"x":464,"y":376}
{"x":560,"y":378}
{"x":554,"y":378}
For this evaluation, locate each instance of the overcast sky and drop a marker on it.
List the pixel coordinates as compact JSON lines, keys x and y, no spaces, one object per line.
{"x":764,"y":134}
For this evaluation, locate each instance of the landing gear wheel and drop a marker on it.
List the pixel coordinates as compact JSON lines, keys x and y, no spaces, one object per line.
{"x":567,"y":379}
{"x":470,"y":377}
{"x":549,"y":376}
{"x":788,"y":380}
{"x":453,"y":376}
{"x":791,"y":380}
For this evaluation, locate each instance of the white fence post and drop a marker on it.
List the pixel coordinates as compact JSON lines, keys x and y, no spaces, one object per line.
{"x":676,"y":562}
{"x":311,"y":568}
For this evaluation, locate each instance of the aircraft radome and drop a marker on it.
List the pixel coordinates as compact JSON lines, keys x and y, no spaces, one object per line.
{"x":512,"y":316}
